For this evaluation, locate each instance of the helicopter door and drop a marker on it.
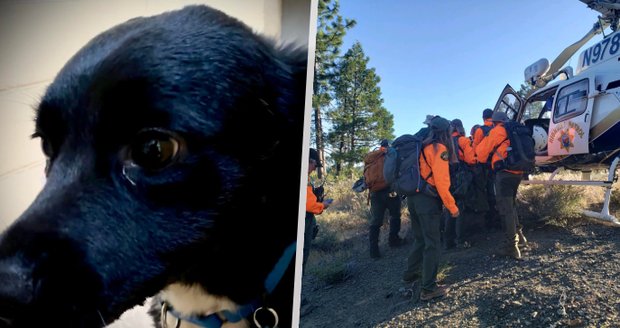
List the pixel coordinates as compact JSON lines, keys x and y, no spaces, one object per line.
{"x":570,"y":123}
{"x":509,"y":102}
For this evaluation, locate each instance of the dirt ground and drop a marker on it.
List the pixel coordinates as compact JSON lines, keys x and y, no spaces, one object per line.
{"x":570,"y":277}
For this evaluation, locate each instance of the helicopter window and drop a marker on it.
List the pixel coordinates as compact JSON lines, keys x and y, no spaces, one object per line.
{"x":572,"y":101}
{"x":539,"y":106}
{"x":509,"y":105}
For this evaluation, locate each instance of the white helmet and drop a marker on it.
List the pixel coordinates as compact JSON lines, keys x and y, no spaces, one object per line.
{"x":540,"y":138}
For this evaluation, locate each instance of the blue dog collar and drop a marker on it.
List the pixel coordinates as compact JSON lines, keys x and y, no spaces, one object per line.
{"x":215,"y":320}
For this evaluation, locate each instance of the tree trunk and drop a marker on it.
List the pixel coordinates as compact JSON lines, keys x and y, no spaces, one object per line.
{"x":341,"y":150}
{"x":318,"y":128}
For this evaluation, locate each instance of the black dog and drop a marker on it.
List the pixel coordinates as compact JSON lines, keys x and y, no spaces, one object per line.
{"x":174,"y":149}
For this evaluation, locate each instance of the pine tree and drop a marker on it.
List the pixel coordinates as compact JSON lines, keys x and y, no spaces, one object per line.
{"x":330,"y":33}
{"x":359,"y":120}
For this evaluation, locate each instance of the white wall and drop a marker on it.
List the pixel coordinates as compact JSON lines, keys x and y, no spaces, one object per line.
{"x":38,"y":36}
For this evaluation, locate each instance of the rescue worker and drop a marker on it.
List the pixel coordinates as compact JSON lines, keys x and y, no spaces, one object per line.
{"x":425,"y":210}
{"x":381,"y":200}
{"x":472,"y":132}
{"x":465,"y":149}
{"x":314,"y":206}
{"x":485,"y":177}
{"x":484,"y":129}
{"x":506,"y":185}
{"x":454,"y":228}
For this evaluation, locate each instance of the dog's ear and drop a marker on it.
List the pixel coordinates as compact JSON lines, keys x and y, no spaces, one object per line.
{"x":275,"y":117}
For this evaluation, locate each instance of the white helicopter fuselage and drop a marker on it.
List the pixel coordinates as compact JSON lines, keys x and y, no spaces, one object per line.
{"x":575,"y":120}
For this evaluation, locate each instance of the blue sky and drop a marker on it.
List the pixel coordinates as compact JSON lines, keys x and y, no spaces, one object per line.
{"x":453,"y":57}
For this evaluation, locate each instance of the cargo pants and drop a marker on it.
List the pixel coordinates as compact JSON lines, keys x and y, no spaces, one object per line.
{"x":379,"y":202}
{"x":506,"y":185}
{"x":423,"y":261}
{"x":310,"y":223}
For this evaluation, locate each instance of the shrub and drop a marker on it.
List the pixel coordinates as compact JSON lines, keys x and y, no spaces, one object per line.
{"x":550,"y":203}
{"x":332,"y":269}
{"x":327,"y":239}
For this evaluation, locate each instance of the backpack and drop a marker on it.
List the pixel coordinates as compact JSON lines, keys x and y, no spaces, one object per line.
{"x":422,"y":133}
{"x":521,"y":152}
{"x":401,"y":169}
{"x":461,"y":176}
{"x":485,"y":129}
{"x":373,"y":170}
{"x":485,"y":132}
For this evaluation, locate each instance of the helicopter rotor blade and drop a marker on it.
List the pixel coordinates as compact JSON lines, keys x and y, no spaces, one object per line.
{"x":607,"y":8}
{"x":565,"y":55}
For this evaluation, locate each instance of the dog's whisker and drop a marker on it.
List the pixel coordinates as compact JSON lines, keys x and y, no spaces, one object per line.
{"x":128,"y":177}
{"x":102,"y":320}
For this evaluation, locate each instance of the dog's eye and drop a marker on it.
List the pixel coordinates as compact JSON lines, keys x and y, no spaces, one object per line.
{"x":48,"y":151}
{"x":46,"y":145}
{"x":154,"y":149}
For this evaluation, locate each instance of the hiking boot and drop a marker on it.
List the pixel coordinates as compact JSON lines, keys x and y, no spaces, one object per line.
{"x":396,"y":242}
{"x":373,"y":239}
{"x":440,"y":291}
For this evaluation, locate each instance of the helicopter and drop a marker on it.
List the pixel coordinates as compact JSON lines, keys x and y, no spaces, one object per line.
{"x":574,"y":116}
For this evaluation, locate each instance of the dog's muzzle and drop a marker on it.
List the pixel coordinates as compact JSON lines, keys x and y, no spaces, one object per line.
{"x":16,"y":292}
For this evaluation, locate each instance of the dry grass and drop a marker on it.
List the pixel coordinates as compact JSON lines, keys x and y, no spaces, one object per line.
{"x":615,"y":197}
{"x":349,"y":211}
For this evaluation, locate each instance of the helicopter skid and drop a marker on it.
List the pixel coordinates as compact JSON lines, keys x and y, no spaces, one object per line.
{"x":604,"y":215}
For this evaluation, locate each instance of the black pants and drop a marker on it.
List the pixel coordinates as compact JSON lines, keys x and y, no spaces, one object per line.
{"x":506,"y":185}
{"x":454,"y":228}
{"x":423,"y":261}
{"x":310,"y":223}
{"x":380,"y":201}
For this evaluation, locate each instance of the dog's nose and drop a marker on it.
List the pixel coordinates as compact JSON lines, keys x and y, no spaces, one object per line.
{"x":15,"y":292}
